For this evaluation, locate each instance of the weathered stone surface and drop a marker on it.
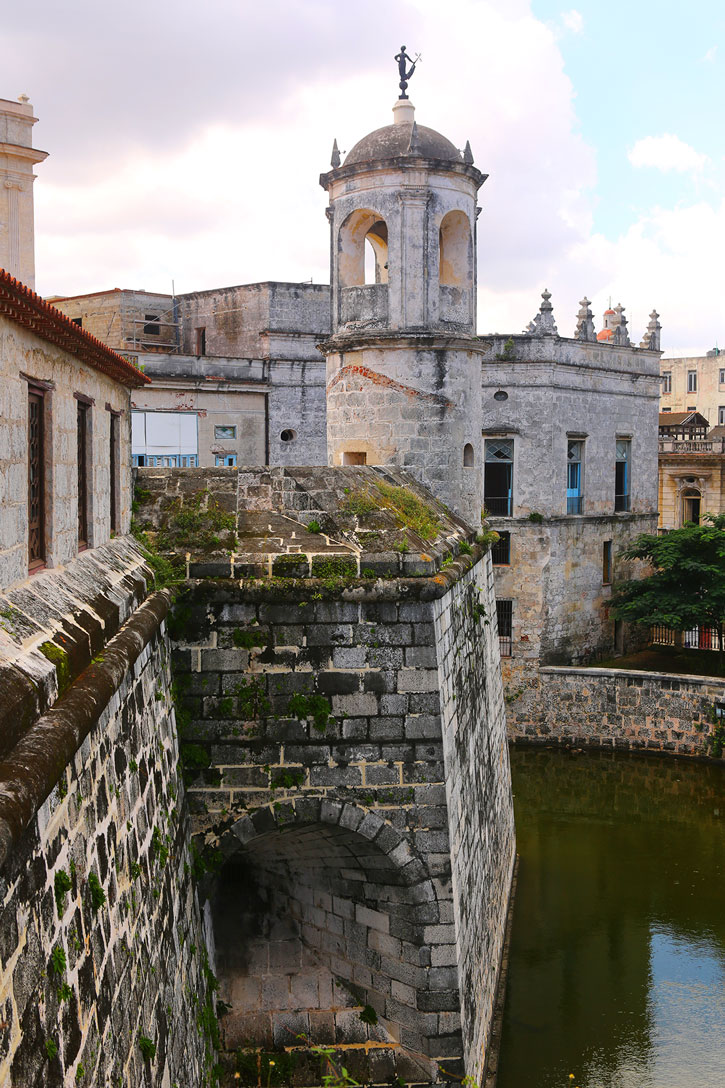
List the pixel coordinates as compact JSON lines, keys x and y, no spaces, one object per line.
{"x":611,"y":708}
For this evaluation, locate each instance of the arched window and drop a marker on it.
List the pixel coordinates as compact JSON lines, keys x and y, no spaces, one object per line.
{"x":468,"y":455}
{"x":362,"y":247}
{"x":455,"y":262}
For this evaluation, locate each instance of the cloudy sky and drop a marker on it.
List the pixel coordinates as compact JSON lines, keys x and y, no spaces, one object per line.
{"x":186,"y":141}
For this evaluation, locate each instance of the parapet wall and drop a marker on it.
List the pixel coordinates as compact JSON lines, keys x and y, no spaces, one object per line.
{"x":615,"y":708}
{"x":98,"y":913}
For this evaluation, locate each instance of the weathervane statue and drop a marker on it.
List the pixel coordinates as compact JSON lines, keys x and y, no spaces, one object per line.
{"x":401,"y":58}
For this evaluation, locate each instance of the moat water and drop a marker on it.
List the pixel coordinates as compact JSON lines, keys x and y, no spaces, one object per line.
{"x":617,"y":966}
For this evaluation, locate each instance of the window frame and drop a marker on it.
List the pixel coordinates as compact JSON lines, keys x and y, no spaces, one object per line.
{"x":225,"y":427}
{"x":505,"y":622}
{"x":225,"y":460}
{"x":574,"y":494}
{"x":666,"y":382}
{"x":623,"y":499}
{"x":691,"y":381}
{"x":607,"y":562}
{"x":84,"y":468}
{"x":38,"y":561}
{"x":502,"y":546}
{"x":496,"y":510}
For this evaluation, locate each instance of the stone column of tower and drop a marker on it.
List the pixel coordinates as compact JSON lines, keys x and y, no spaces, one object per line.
{"x":403,"y":362}
{"x":17,"y":219}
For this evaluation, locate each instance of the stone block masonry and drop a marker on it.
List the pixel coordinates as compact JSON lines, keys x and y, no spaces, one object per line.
{"x":617,"y":708}
{"x":346,"y":754}
{"x":102,"y":974}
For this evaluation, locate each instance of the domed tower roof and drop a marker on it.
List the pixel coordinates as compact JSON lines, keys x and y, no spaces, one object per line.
{"x":399,"y":139}
{"x":401,"y":144}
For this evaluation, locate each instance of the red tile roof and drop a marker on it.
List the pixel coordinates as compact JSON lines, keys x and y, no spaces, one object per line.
{"x":24,"y":307}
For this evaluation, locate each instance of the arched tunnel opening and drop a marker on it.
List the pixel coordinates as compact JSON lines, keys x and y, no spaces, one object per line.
{"x":320,"y":939}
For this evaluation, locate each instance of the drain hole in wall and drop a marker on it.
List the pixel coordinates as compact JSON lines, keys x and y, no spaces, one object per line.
{"x":288,"y":436}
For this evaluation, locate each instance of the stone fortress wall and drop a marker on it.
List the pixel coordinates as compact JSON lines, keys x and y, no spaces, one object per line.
{"x":622,"y":709}
{"x":358,"y":868}
{"x":352,"y":772}
{"x":98,"y":912}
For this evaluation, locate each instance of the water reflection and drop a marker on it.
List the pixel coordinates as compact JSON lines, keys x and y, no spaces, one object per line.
{"x":618,"y":951}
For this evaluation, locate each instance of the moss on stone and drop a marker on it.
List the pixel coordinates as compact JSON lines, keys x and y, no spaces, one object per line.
{"x":290,"y":566}
{"x":334,"y":566}
{"x":59,"y":659}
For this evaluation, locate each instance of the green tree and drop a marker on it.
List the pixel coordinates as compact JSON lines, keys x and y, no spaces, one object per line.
{"x":687,"y":585}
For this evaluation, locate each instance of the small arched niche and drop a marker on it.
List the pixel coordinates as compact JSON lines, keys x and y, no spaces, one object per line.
{"x":455,"y":267}
{"x":468,"y":456}
{"x":362,"y":247}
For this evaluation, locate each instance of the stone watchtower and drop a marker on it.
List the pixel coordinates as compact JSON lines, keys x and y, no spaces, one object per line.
{"x":403,"y":365}
{"x":17,"y":159}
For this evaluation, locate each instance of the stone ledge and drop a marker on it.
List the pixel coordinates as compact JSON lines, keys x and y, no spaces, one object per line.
{"x":31,"y":770}
{"x":633,"y":674}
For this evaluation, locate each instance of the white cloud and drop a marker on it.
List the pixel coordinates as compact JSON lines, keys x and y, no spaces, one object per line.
{"x":179,"y":175}
{"x":667,"y":152}
{"x":573,"y":20}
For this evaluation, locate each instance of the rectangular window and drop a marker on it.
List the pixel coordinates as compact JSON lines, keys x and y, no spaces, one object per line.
{"x":501,"y":551}
{"x":665,"y":409}
{"x":152,"y":327}
{"x":113,"y":462}
{"x":221,"y":433}
{"x":691,"y":407}
{"x":36,"y":480}
{"x":200,"y":341}
{"x":227,"y":460}
{"x":607,"y":562}
{"x":498,"y":476}
{"x":181,"y":460}
{"x":82,"y":434}
{"x":667,"y":382}
{"x":721,"y":415}
{"x":622,"y":474}
{"x":504,"y":615}
{"x":574,"y":458}
{"x":691,"y":381}
{"x":722,"y":377}
{"x":77,"y":321}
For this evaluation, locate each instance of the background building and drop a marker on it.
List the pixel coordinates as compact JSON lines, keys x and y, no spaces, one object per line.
{"x":237,"y":377}
{"x":17,"y":159}
{"x":691,"y":469}
{"x":695,"y":384}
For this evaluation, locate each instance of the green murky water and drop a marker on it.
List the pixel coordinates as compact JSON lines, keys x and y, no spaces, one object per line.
{"x":617,"y":968}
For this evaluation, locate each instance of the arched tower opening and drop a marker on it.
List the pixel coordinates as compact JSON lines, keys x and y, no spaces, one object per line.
{"x":362,"y":267}
{"x":363,"y":229}
{"x":319,"y":921}
{"x":456,"y":251}
{"x":455,"y":268}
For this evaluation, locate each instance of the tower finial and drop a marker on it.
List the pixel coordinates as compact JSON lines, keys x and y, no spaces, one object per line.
{"x":467,"y":153}
{"x":543,"y":324}
{"x":585,"y":321}
{"x":401,"y":58}
{"x":335,"y":160}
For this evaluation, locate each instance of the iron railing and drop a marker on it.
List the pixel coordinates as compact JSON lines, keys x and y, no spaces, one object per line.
{"x":574,"y":504}
{"x":702,"y":637}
